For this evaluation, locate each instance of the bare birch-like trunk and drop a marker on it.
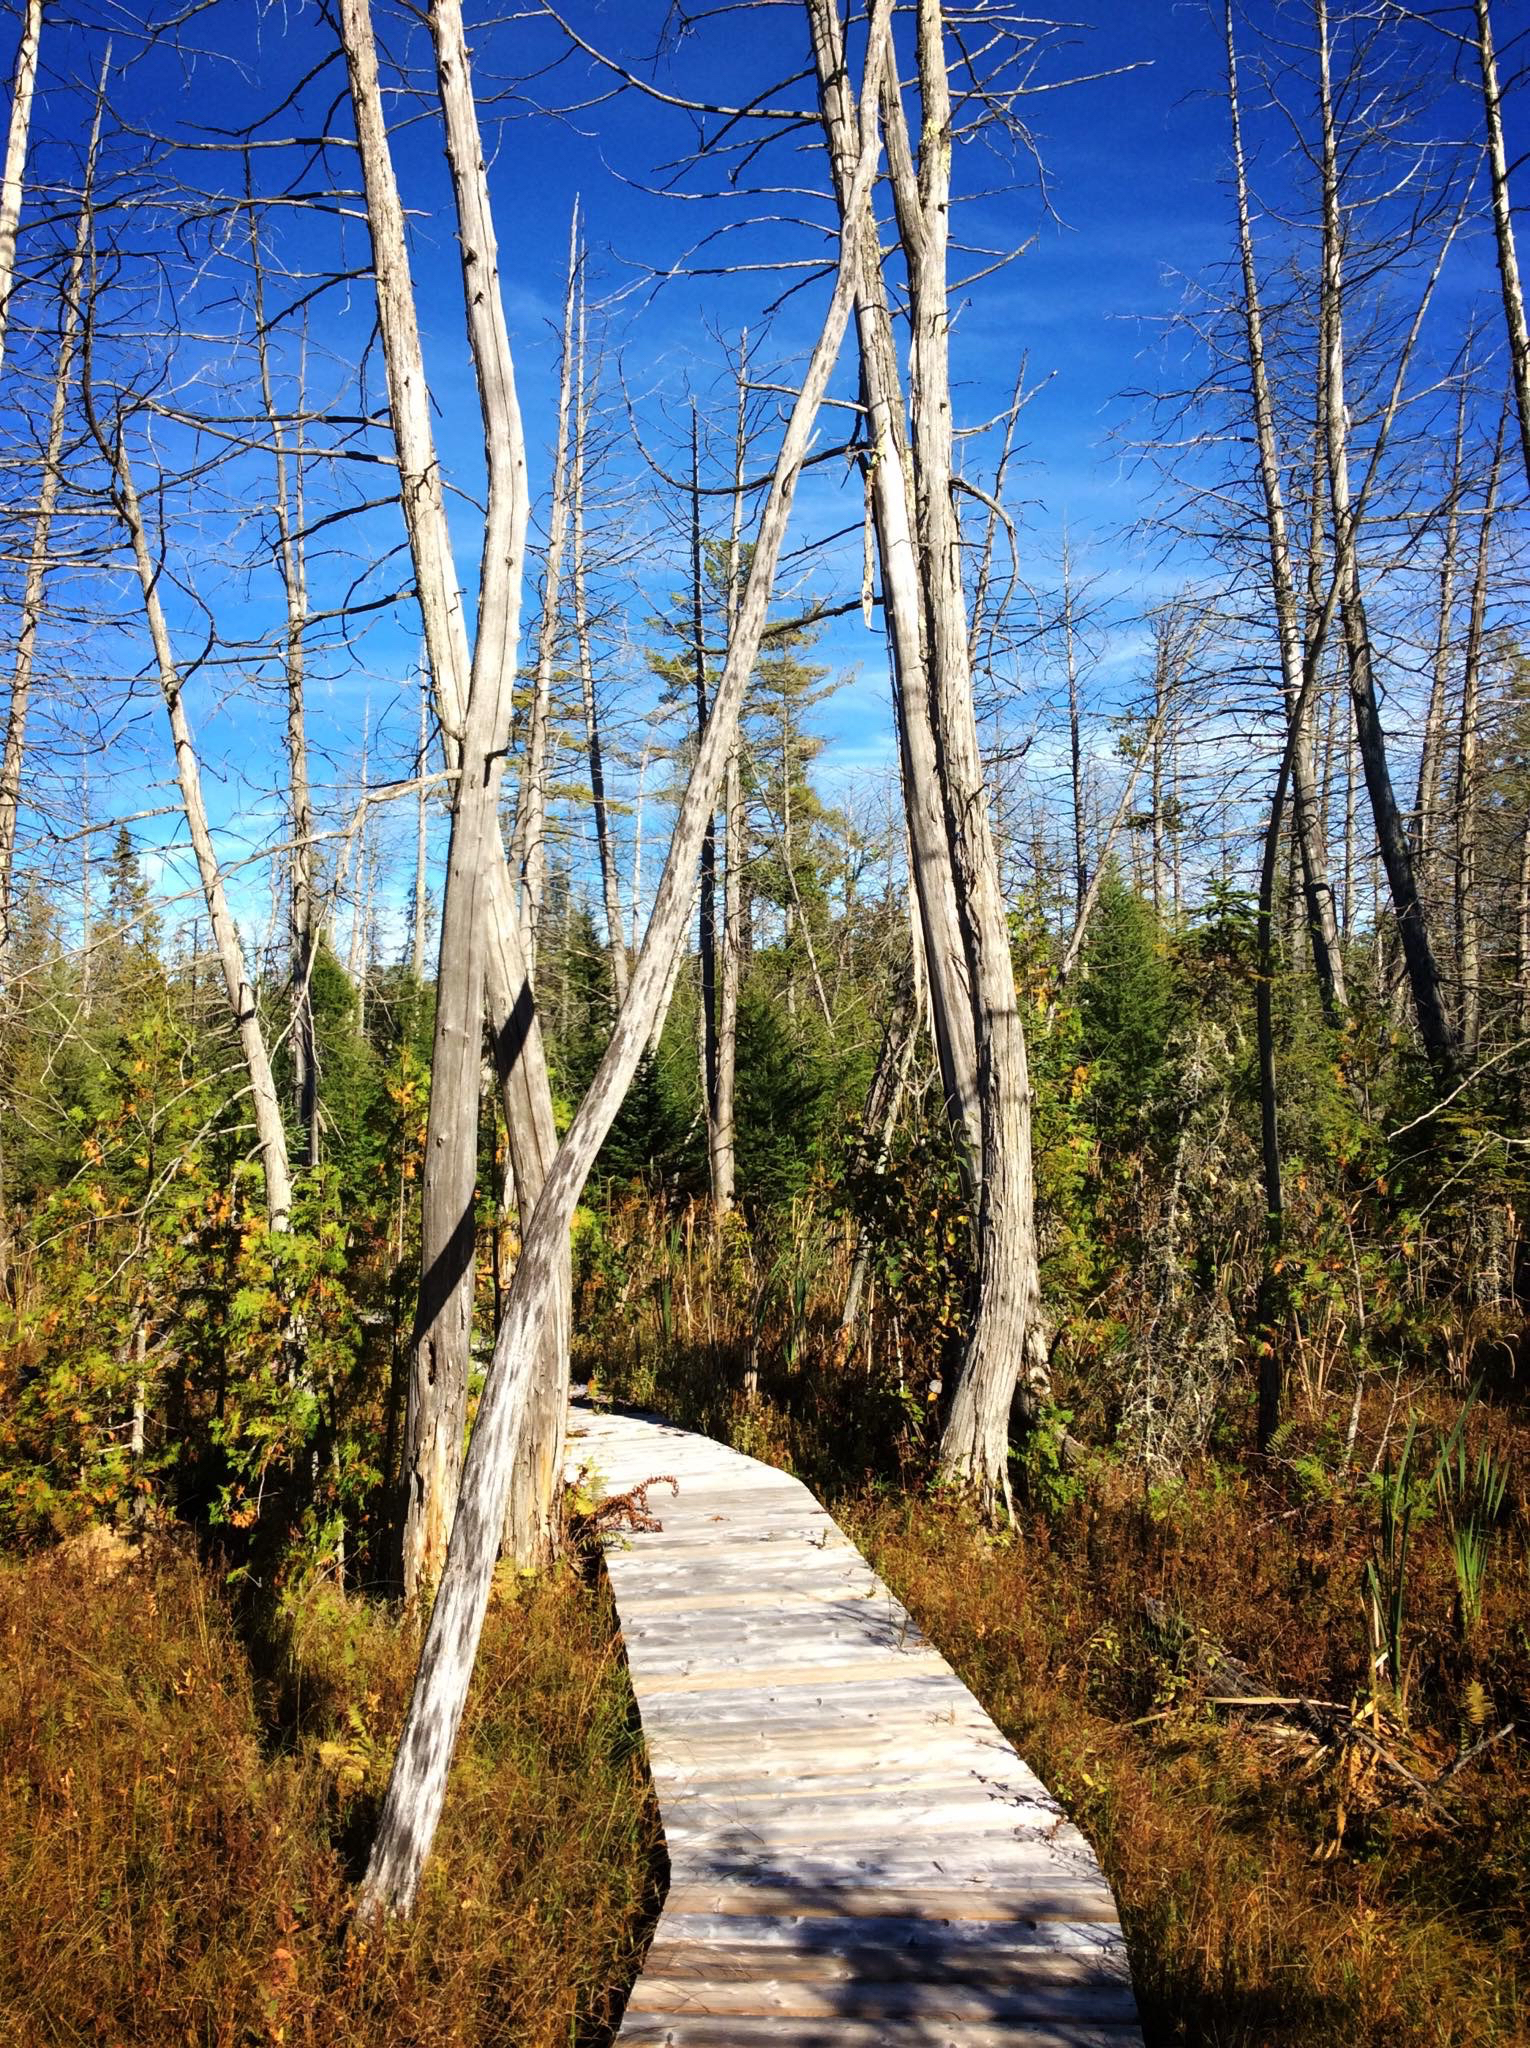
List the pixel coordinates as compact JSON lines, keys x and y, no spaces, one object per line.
{"x":417,"y":1786}
{"x":1468,"y":771}
{"x":270,"y":1132}
{"x":1075,"y":742}
{"x":706,"y":920}
{"x":1516,"y":325}
{"x":499,"y":964}
{"x":1296,"y":653}
{"x":1006,"y":1337}
{"x":1425,"y":833}
{"x":1434,"y":1025}
{"x":720,"y":1132}
{"x":605,"y":847}
{"x":33,"y":593}
{"x":292,"y":568}
{"x":530,"y":842}
{"x":13,"y":176}
{"x":892,"y":498}
{"x":33,"y":590}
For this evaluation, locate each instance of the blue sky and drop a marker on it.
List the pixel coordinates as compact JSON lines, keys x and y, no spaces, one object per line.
{"x":1134,"y":163}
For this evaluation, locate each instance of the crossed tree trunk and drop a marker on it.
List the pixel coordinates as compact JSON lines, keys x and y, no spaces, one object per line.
{"x":417,"y":1787}
{"x":980,"y":1037}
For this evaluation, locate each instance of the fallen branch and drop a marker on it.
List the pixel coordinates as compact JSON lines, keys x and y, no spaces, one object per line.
{"x":1468,"y":1756}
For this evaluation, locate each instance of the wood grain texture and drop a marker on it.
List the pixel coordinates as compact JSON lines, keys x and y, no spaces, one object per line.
{"x":857,"y":1856}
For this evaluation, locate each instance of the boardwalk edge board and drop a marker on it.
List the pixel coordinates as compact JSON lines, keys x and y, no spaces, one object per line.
{"x":858,"y":1857}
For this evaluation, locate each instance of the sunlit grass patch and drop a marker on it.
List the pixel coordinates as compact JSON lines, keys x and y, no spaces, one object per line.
{"x":179,"y":1831}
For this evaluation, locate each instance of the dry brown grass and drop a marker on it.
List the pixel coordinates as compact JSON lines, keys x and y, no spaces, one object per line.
{"x":1247,"y":1926}
{"x":178,"y":1837}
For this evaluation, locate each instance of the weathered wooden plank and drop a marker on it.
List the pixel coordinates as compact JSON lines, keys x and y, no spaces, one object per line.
{"x":697,"y":2030}
{"x":798,"y":1822}
{"x":1088,"y":1997}
{"x":850,"y":1788}
{"x":699,"y":1752}
{"x":889,"y":1665}
{"x":949,"y":1866}
{"x":857,"y":1855}
{"x":832,"y":1935}
{"x":824,"y":1622}
{"x":912,"y":1692}
{"x":848,"y":1961}
{"x":934,"y":1906}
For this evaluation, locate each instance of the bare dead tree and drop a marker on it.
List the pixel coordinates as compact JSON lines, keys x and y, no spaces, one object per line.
{"x":1431,"y":750}
{"x":13,"y":174}
{"x":706,"y":920}
{"x":530,"y":844}
{"x":1468,"y":771}
{"x":417,"y":1786}
{"x":720,"y":1129}
{"x":1327,"y":954}
{"x":1435,"y":1028}
{"x":39,"y":556}
{"x":1006,"y":1339}
{"x":302,"y":895}
{"x":485,"y":941}
{"x":888,"y":467}
{"x":270,"y":1131}
{"x":605,"y":847}
{"x":1515,"y":323}
{"x":1075,"y":737}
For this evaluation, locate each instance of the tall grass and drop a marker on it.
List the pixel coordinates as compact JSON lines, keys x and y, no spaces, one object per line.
{"x":179,"y":1828}
{"x":1244,"y":1931}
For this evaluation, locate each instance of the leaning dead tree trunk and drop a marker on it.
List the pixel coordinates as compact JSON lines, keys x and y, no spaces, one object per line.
{"x":501,"y":969}
{"x":720,"y":1130}
{"x":1434,"y":1026}
{"x":1468,"y":772}
{"x":12,"y":178}
{"x":270,"y":1132}
{"x":890,"y":494}
{"x":1322,"y":922}
{"x":33,"y":590}
{"x":1517,"y":326}
{"x":302,"y":898}
{"x":417,"y":1786}
{"x":530,"y":845}
{"x":1006,"y":1337}
{"x":605,"y":847}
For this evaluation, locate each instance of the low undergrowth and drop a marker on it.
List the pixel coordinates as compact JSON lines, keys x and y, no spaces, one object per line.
{"x":182,"y":1815}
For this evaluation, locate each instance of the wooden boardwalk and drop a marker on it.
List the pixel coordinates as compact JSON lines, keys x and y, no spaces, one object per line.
{"x":857,"y":1856}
